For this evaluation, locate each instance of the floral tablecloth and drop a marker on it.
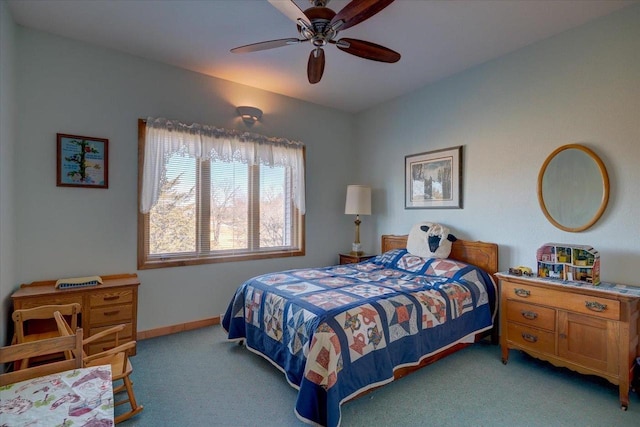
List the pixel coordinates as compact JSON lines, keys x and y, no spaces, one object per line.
{"x":79,"y":397}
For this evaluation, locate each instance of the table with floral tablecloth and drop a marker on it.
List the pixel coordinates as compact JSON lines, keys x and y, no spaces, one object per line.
{"x":79,"y":397}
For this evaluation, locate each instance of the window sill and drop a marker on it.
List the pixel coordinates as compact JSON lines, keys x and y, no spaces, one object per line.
{"x":182,"y":262}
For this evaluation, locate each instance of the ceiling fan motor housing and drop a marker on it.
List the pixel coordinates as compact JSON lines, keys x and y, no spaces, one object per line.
{"x":320,"y":33}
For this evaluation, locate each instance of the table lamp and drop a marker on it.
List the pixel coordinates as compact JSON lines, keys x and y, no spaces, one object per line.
{"x":358,"y":203}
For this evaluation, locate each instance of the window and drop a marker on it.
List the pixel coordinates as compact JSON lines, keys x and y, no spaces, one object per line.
{"x":219,"y":206}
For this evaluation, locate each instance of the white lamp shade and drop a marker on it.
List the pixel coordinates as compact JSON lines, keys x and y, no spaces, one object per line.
{"x":358,"y":200}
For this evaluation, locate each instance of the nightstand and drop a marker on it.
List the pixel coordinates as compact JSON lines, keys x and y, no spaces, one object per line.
{"x":352,"y":259}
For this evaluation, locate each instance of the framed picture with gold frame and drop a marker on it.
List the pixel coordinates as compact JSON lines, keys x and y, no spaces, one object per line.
{"x":434,"y":179}
{"x":82,"y":161}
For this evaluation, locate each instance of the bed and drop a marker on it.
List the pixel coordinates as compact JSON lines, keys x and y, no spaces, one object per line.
{"x":338,"y":332}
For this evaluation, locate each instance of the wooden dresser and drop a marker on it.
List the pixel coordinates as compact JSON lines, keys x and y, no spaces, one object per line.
{"x":113,"y":302}
{"x":587,"y":330}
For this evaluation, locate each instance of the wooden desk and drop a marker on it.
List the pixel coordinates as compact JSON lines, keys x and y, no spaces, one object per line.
{"x":113,"y":302}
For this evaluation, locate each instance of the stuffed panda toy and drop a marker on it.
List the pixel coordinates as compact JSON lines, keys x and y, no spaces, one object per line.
{"x":429,"y":240}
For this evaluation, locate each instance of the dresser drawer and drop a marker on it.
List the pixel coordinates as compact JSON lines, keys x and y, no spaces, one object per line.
{"x":109,"y":342}
{"x":123,"y":336}
{"x":595,"y":306}
{"x":532,"y":315}
{"x":107,"y":298}
{"x":113,"y":315}
{"x":50,"y":300}
{"x":95,"y":348}
{"x":532,"y":338}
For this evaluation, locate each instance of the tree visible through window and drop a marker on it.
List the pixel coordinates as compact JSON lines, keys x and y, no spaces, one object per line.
{"x":210,"y":210}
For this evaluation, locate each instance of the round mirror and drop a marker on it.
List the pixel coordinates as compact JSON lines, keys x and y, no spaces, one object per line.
{"x":573,"y":188}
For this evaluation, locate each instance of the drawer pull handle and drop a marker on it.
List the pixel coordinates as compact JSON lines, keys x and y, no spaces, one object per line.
{"x":113,"y":298}
{"x":111,"y":313}
{"x":529,"y":315}
{"x":522,"y":292}
{"x":529,"y":337}
{"x":595,"y":306}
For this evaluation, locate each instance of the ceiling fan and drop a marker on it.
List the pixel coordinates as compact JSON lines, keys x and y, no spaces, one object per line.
{"x":320,"y":26}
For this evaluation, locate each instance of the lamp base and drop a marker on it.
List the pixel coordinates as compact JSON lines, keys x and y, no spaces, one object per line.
{"x":356,"y":249}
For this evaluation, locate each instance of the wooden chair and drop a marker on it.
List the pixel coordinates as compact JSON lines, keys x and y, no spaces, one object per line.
{"x":23,"y":318}
{"x":71,"y":344}
{"x":121,"y":367}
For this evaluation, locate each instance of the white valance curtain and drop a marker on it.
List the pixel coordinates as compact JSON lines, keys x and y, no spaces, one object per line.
{"x":166,"y":137}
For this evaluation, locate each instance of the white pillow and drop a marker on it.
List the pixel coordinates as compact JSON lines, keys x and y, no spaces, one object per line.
{"x":429,"y":240}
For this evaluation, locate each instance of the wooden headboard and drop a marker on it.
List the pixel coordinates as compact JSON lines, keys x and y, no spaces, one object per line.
{"x":480,"y":254}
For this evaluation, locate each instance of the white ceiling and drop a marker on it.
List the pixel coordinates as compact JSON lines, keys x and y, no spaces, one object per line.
{"x":436,"y":39}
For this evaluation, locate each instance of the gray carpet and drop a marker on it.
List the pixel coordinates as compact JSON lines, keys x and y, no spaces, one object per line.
{"x":197,"y":378}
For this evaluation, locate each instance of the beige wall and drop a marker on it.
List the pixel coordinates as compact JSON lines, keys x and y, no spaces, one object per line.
{"x":70,"y":87}
{"x":582,"y":86}
{"x":509,"y":114}
{"x":7,"y":144}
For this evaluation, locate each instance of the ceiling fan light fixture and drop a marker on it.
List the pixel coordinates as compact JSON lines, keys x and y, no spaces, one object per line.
{"x":320,"y":25}
{"x":249,"y":115}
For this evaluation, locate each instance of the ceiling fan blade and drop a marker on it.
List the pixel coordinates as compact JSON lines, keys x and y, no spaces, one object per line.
{"x":368,"y":50}
{"x":289,"y":9}
{"x":270,"y":44}
{"x":315,"y":66}
{"x":357,"y":11}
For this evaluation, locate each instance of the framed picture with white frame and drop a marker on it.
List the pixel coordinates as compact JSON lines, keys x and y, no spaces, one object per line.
{"x":433,"y":180}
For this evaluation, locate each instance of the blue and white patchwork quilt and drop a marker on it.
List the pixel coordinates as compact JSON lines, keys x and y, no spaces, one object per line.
{"x":338,"y":331}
